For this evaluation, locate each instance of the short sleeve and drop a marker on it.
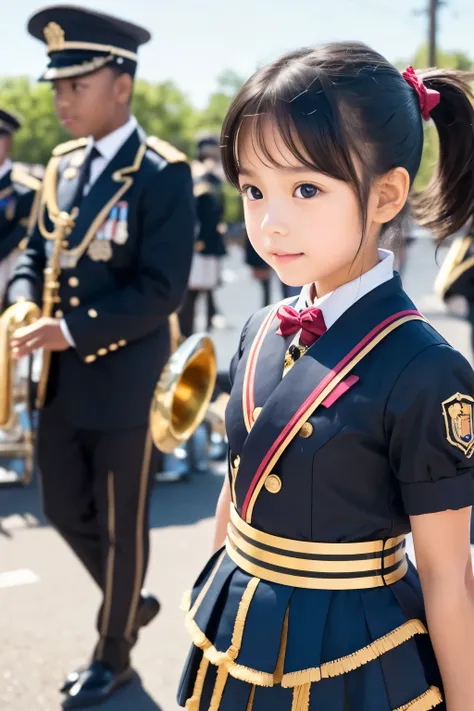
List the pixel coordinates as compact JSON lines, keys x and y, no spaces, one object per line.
{"x":430,"y":427}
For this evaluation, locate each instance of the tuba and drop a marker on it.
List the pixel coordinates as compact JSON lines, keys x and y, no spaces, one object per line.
{"x":184,"y":390}
{"x":12,"y":392}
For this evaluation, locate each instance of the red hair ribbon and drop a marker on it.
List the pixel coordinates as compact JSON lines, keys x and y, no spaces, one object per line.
{"x":428,"y":98}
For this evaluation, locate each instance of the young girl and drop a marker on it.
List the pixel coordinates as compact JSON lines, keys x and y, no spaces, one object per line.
{"x":350,"y":422}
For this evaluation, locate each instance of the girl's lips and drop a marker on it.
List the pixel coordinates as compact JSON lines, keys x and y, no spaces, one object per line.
{"x":286,"y":258}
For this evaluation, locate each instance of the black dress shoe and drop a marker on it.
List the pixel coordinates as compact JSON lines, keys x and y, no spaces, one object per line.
{"x":148,"y":609}
{"x":95,"y":685}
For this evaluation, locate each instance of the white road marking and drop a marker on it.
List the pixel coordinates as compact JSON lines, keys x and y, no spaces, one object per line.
{"x":17,"y":577}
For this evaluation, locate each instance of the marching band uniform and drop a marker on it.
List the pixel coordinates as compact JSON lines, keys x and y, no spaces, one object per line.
{"x":209,"y":245}
{"x":18,"y":191}
{"x":312,"y":603}
{"x":125,"y":266}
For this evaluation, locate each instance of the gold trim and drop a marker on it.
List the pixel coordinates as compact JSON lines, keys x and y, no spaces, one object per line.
{"x":317,"y":402}
{"x":219,"y":687}
{"x":206,"y":587}
{"x":192,"y":704}
{"x":63,"y":148}
{"x":280,"y":665}
{"x":301,"y":696}
{"x":309,"y":547}
{"x":109,"y":584}
{"x":49,"y":200}
{"x":313,"y":566}
{"x":241,"y":618}
{"x":234,"y":469}
{"x":6,"y":192}
{"x":251,"y":699}
{"x":453,"y":267}
{"x":141,"y":508}
{"x":297,"y":581}
{"x":427,"y":701}
{"x":306,"y":676}
{"x":25,"y":179}
{"x":166,"y":150}
{"x":77,"y":69}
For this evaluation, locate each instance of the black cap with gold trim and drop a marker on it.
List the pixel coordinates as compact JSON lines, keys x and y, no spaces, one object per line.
{"x":81,"y":41}
{"x":8,"y":123}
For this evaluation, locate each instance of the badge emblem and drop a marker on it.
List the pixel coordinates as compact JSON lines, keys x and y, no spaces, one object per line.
{"x":100,"y":250}
{"x":459,"y":420}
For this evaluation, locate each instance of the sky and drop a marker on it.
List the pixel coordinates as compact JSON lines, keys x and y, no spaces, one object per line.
{"x":195,"y":40}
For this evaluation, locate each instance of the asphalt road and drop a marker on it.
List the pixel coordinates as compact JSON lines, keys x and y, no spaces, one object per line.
{"x":47,"y":602}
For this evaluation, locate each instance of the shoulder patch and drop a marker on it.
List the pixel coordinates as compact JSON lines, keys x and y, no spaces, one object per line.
{"x":25,"y":179}
{"x":166,"y":150}
{"x":458,"y":412}
{"x":64,"y":148}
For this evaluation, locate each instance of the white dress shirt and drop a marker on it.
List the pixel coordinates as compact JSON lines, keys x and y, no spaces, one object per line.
{"x":108,"y":148}
{"x":334,"y":304}
{"x":5,"y":167}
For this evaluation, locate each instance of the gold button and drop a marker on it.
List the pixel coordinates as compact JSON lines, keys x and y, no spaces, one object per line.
{"x":113,"y":347}
{"x":74,"y":301}
{"x":90,"y":359}
{"x":73,"y":281}
{"x":92,"y":313}
{"x":122,"y":342}
{"x":102,"y":351}
{"x":306,"y":430}
{"x":273,"y":483}
{"x":256,"y":412}
{"x":65,"y":243}
{"x":236,"y":463}
{"x":59,"y":314}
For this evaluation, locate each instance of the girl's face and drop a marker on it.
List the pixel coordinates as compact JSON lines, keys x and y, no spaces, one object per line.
{"x":304,"y":224}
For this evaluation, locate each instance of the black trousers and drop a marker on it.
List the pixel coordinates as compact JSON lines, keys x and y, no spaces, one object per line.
{"x":95,"y":490}
{"x":187,"y":311}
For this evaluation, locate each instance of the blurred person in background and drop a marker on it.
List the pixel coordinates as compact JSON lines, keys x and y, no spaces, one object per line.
{"x":18,"y":197}
{"x":209,"y":246}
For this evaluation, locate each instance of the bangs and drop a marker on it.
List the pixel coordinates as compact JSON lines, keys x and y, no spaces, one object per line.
{"x":307,"y":122}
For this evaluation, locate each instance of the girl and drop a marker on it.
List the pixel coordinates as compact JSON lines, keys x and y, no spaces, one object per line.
{"x":312,"y":603}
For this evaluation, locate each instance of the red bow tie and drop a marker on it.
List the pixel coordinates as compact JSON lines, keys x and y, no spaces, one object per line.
{"x":310,"y":322}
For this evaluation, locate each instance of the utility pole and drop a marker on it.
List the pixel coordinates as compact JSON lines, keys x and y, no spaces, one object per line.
{"x":432,"y":37}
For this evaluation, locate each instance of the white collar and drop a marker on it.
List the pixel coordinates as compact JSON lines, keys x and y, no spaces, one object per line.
{"x":334,"y":304}
{"x":5,"y":167}
{"x":111,"y":144}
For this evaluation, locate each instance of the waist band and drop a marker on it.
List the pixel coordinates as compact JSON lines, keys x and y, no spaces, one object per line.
{"x":318,"y":566}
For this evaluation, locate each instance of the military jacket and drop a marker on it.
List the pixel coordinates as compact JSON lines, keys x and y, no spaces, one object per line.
{"x":124,"y":268}
{"x":18,"y":191}
{"x":210,"y":210}
{"x":456,"y":275}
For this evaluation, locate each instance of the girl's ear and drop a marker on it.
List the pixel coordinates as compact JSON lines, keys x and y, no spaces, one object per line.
{"x":390,"y":195}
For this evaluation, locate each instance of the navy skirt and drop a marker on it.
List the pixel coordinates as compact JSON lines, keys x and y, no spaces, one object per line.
{"x":261,"y":646}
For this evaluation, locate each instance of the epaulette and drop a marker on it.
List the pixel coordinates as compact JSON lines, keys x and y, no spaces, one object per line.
{"x":69,"y":146}
{"x":203,"y":187}
{"x":25,"y":179}
{"x":166,"y":150}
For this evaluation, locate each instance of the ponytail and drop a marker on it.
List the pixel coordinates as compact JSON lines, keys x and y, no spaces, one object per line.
{"x":448,"y":201}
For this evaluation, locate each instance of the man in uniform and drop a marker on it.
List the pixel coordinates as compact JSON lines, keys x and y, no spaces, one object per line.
{"x":126,"y":251}
{"x":18,"y":190}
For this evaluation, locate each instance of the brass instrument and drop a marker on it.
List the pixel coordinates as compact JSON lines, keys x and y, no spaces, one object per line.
{"x":13,"y":390}
{"x":184,"y":390}
{"x":63,"y":224}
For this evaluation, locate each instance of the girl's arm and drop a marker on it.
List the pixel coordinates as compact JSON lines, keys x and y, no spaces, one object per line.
{"x":444,"y":564}
{"x":223,"y":515}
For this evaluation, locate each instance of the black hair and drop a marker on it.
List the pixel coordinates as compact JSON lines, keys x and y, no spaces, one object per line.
{"x":343,"y":105}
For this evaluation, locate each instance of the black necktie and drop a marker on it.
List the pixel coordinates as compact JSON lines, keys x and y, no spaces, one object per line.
{"x":85,"y":175}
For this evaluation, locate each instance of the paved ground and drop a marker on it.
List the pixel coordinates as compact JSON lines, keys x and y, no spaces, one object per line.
{"x":46,"y":600}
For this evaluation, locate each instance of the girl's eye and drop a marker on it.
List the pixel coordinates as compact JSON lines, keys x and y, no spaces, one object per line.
{"x":252,"y":193}
{"x":306,"y":191}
